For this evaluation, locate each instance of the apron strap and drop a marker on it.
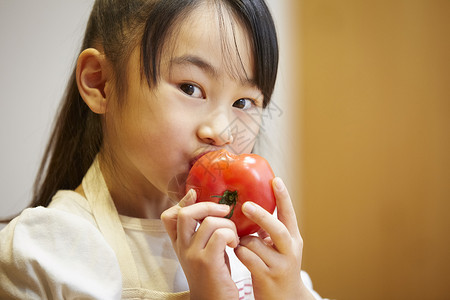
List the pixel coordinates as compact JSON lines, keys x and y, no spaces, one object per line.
{"x":107,"y":218}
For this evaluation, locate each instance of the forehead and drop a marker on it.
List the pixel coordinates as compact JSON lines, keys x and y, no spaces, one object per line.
{"x":214,"y":34}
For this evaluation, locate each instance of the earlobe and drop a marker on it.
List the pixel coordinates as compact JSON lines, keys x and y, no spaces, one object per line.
{"x":92,"y":73}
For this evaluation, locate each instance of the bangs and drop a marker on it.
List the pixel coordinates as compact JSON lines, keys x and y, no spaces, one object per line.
{"x":228,"y":26}
{"x":257,"y":21}
{"x":166,"y":17}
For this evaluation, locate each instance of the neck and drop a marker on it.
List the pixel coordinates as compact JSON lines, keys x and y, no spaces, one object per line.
{"x":132,"y":194}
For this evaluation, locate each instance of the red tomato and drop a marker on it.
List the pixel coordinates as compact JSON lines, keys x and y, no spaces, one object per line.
{"x":223,"y":177}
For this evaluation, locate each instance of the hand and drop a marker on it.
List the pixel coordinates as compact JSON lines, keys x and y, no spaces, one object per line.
{"x":274,"y":257}
{"x":201,"y":252}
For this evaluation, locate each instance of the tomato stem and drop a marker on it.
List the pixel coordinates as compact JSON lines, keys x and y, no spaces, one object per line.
{"x":230,"y":198}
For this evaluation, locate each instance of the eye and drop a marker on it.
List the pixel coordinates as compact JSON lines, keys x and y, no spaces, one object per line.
{"x":191,"y":90}
{"x":243,"y":103}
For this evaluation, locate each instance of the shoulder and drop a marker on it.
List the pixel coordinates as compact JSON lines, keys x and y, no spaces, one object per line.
{"x":74,"y":203}
{"x":51,"y":252}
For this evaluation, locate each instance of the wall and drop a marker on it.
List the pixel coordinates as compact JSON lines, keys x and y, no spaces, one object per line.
{"x":375,"y":144}
{"x":39,"y":41}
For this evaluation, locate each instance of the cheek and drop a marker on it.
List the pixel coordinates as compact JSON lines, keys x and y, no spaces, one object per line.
{"x":245,"y":130}
{"x":169,"y":129}
{"x":158,"y":154}
{"x":159,"y":139}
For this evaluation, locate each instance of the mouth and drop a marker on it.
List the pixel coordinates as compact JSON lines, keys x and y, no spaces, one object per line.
{"x":196,"y":158}
{"x":177,"y":185}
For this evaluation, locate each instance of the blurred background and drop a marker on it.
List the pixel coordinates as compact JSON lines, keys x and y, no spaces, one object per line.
{"x":39,"y":41}
{"x":373,"y":132}
{"x":359,"y":129}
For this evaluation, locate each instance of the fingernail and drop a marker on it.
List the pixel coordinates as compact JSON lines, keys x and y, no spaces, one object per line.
{"x":189,"y":198}
{"x":279,"y":185}
{"x":249,"y":207}
{"x":192,"y":194}
{"x":189,"y":195}
{"x":224,"y":207}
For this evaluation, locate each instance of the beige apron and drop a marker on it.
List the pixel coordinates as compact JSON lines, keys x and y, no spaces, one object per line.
{"x":108,"y":221}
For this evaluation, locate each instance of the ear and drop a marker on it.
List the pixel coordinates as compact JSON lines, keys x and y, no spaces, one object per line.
{"x":92,"y":76}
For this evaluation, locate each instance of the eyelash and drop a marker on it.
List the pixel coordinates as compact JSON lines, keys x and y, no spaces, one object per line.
{"x":191,"y":86}
{"x":252,"y":103}
{"x":186,"y":88}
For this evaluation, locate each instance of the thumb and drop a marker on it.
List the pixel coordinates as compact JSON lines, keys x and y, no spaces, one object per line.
{"x":170,"y":216}
{"x":188,"y":199}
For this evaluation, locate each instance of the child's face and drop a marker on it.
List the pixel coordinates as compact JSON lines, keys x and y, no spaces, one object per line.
{"x":198,"y":105}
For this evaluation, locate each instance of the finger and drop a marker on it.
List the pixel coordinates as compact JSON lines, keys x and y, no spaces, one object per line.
{"x":262,"y":233}
{"x":221,"y":238}
{"x":189,"y":199}
{"x":251,"y":260}
{"x":209,"y":226}
{"x":278,"y":232}
{"x":285,"y":208}
{"x":170,"y":216}
{"x":265,"y":237}
{"x":260,"y":247}
{"x":189,"y":216}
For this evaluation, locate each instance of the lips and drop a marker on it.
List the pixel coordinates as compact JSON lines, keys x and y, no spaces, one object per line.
{"x":194,"y":160}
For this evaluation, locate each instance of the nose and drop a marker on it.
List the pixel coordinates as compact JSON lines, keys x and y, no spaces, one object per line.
{"x":215,"y":129}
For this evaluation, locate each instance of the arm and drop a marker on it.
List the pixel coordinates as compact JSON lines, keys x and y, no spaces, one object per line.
{"x":47,"y":253}
{"x":201,"y":251}
{"x":274,"y":258}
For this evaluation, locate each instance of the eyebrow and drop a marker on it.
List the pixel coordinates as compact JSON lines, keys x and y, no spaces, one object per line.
{"x":196,"y":61}
{"x":206,"y":67}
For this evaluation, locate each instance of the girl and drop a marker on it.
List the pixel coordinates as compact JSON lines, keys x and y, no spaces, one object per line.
{"x":157,"y":85}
